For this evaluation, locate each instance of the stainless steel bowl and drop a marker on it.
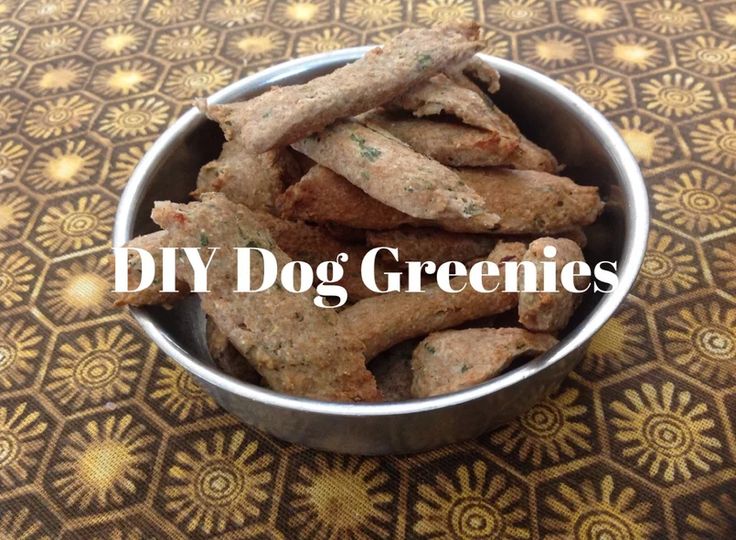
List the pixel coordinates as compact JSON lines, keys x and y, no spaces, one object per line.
{"x":549,"y":114}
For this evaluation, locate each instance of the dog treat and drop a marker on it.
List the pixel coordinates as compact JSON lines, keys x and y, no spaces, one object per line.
{"x":441,"y":95}
{"x":480,"y":71}
{"x":296,"y":346}
{"x":448,"y":361}
{"x":394,"y":174}
{"x":227,"y":357}
{"x":528,"y":202}
{"x":283,"y":115}
{"x":250,"y":179}
{"x":385,"y":320}
{"x":150,"y":296}
{"x":431,"y":245}
{"x":550,"y":311}
{"x":530,"y":157}
{"x":449,"y":143}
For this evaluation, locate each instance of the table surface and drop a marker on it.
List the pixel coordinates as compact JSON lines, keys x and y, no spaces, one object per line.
{"x":102,"y":436}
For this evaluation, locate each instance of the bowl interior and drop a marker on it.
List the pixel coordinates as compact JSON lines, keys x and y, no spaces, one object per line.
{"x":561,"y":124}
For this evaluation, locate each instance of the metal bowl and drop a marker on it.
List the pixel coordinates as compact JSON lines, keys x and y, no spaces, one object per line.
{"x":547,"y":113}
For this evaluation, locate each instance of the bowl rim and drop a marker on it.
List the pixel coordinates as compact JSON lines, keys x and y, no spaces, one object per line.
{"x":635,"y":241}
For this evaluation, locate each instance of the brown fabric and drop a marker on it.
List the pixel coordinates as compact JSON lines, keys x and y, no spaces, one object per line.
{"x":103,"y":437}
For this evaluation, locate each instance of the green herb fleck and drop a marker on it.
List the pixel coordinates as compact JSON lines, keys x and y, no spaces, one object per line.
{"x":266,"y":114}
{"x":472,"y":209}
{"x":464,"y":368}
{"x":424,"y":60}
{"x":368,"y":152}
{"x":203,"y":239}
{"x":431,"y":349}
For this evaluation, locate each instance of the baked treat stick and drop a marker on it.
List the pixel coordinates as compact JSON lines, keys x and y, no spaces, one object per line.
{"x":528,"y":202}
{"x":227,"y":357}
{"x":448,"y":361}
{"x":440,"y":94}
{"x":385,"y":320}
{"x":150,"y":296}
{"x":284,"y":115}
{"x":433,"y":245}
{"x":530,"y":157}
{"x":254,"y":180}
{"x":297,"y":347}
{"x":550,"y":311}
{"x":394,"y":174}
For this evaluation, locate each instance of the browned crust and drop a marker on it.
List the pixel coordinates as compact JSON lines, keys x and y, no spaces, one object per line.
{"x":432,"y":244}
{"x":550,"y":312}
{"x":385,"y":320}
{"x":528,"y":202}
{"x":531,"y":157}
{"x":150,"y":296}
{"x":226,"y":357}
{"x":448,"y":361}
{"x":392,"y":173}
{"x":284,"y":115}
{"x":297,"y":347}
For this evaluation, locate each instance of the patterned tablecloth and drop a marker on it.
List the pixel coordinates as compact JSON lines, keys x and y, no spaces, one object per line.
{"x":102,"y":436}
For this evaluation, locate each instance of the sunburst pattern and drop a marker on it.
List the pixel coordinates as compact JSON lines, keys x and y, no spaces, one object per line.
{"x":179,"y":394}
{"x":714,"y":517}
{"x":187,"y":42}
{"x":100,"y":12}
{"x":518,"y":14}
{"x":52,"y":41}
{"x":8,"y":37}
{"x":20,"y":523}
{"x":598,"y":509}
{"x":217,"y":482}
{"x":74,"y":225}
{"x":58,"y":76}
{"x":553,"y":49}
{"x":676,"y":94}
{"x":134,"y":118}
{"x":591,"y":14}
{"x":79,"y":290}
{"x":646,"y":139}
{"x":98,"y":366}
{"x":20,"y":346}
{"x":622,"y":342}
{"x":724,"y":265}
{"x":17,"y":274}
{"x":696,"y":201}
{"x":202,"y":78}
{"x":707,"y":55}
{"x":630,"y":52}
{"x":12,"y":156}
{"x":10,"y":72}
{"x":229,"y":13}
{"x":552,"y":430}
{"x":167,"y":12}
{"x":325,"y":40}
{"x":668,"y":268}
{"x":124,"y":163}
{"x":295,"y":13}
{"x":601,"y":90}
{"x":10,"y":111}
{"x":102,"y":464}
{"x":472,"y":502}
{"x":665,"y":432}
{"x":701,"y":340}
{"x":128,"y":77}
{"x":667,"y":16}
{"x":22,"y":439}
{"x":43,"y":11}
{"x":116,"y":41}
{"x":256,"y":44}
{"x":64,"y":165}
{"x":15,"y":209}
{"x":431,"y":12}
{"x":60,"y":116}
{"x":372,"y":13}
{"x":715,"y":142}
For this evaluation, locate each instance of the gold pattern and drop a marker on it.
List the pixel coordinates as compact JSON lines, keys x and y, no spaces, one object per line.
{"x":102,"y":463}
{"x":16,"y":277}
{"x":14,"y":213}
{"x":602,"y":91}
{"x":293,"y":13}
{"x":19,"y":524}
{"x":622,"y":342}
{"x":665,"y":432}
{"x":202,"y":78}
{"x":59,"y":77}
{"x":372,"y":13}
{"x":76,"y":225}
{"x":166,"y":12}
{"x":630,"y":52}
{"x":8,"y":37}
{"x":676,"y":95}
{"x":715,"y":142}
{"x":667,"y":17}
{"x":230,"y":13}
{"x":99,"y":12}
{"x":185,"y":43}
{"x":10,"y":111}
{"x":257,"y":44}
{"x":553,"y":49}
{"x":646,"y":140}
{"x":52,"y":41}
{"x":443,"y":11}
{"x":714,"y":518}
{"x":64,"y":166}
{"x":591,"y":14}
{"x":21,"y":441}
{"x":11,"y":158}
{"x":139,"y":117}
{"x":518,"y":14}
{"x":667,"y":267}
{"x":10,"y":72}
{"x":472,"y":503}
{"x":724,"y":265}
{"x":116,"y":41}
{"x":123,"y":167}
{"x":57,"y":117}
{"x":179,"y":394}
{"x":325,"y":40}
{"x":128,"y":77}
{"x":707,"y":55}
{"x":20,"y":345}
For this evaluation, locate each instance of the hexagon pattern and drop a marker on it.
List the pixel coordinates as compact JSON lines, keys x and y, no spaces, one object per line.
{"x":102,"y":436}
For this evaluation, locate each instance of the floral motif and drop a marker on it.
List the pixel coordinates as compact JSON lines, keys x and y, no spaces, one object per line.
{"x":702,"y":340}
{"x":63,"y":166}
{"x":201,"y":78}
{"x":724,"y":265}
{"x":597,"y":510}
{"x":676,"y":95}
{"x":102,"y":464}
{"x":231,"y":13}
{"x":336,"y":497}
{"x":646,"y":140}
{"x":12,"y":156}
{"x":292,"y":13}
{"x":17,"y":273}
{"x":518,"y":14}
{"x":496,"y":44}
{"x":14,"y":213}
{"x":19,"y":524}
{"x":58,"y":77}
{"x":124,"y":163}
{"x":182,"y":43}
{"x":622,"y":342}
{"x":667,"y":17}
{"x":444,"y":11}
{"x":218,"y":481}
{"x":707,"y":55}
{"x":664,"y":432}
{"x":99,"y":12}
{"x":257,"y":44}
{"x":8,"y":37}
{"x":472,"y":503}
{"x":630,"y":52}
{"x":179,"y":394}
{"x":668,"y":267}
{"x":78,"y":291}
{"x":602,"y":91}
{"x":372,"y":13}
{"x":19,"y":348}
{"x":696,"y":202}
{"x":715,"y":142}
{"x":72,"y":226}
{"x":135,"y":118}
{"x":10,"y":72}
{"x":116,"y":41}
{"x":591,"y":14}
{"x":167,"y":12}
{"x":325,"y":40}
{"x":724,"y":18}
{"x":130,"y":76}
{"x":551,"y":429}
{"x":553,"y":49}
{"x":42,"y":11}
{"x":98,"y":366}
{"x":10,"y":110}
{"x":713,"y":518}
{"x":60,"y":116}
{"x":22,"y":439}
{"x":51,"y":42}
